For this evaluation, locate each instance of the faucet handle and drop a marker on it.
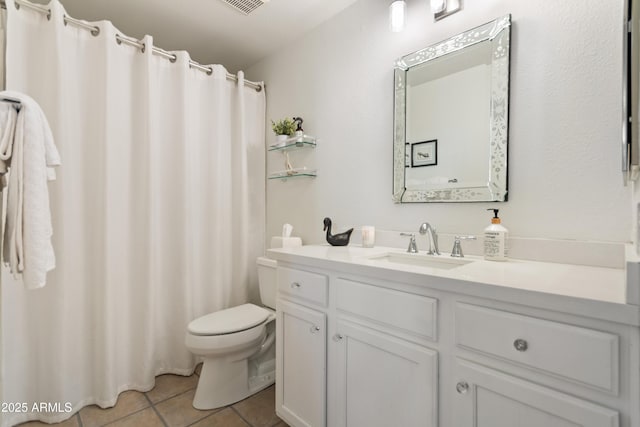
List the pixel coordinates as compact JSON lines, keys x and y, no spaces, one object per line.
{"x":456,"y":252}
{"x":413,"y":248}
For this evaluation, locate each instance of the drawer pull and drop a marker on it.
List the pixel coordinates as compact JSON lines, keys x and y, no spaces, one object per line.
{"x":314,"y":329}
{"x":520,"y":345}
{"x":462,"y":387}
{"x":295,"y":285}
{"x":338,"y":337}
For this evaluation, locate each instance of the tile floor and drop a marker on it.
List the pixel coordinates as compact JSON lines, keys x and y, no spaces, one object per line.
{"x":169,"y":405}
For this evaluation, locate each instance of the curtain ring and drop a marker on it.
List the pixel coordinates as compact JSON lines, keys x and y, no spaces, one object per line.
{"x":209,"y":71}
{"x":95,"y":31}
{"x":64,"y":20}
{"x":143,"y":48}
{"x":173,"y":59}
{"x":118,"y":39}
{"x":17,"y":5}
{"x":48,"y":14}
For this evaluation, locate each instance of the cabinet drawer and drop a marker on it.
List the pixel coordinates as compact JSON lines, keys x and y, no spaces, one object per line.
{"x":579,"y":354}
{"x":304,"y":285}
{"x":414,"y":315}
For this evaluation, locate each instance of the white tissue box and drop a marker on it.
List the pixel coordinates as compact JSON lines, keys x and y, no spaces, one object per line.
{"x":285,"y":242}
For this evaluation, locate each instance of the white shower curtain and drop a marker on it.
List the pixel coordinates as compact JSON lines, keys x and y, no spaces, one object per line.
{"x":158,"y":212}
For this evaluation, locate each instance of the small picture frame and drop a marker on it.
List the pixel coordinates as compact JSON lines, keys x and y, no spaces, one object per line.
{"x":424,"y":153}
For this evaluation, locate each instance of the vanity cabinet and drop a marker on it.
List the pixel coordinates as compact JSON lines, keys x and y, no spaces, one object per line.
{"x":489,"y":398}
{"x":486,"y":397}
{"x":301,"y":364}
{"x":301,"y":349}
{"x":377,"y":351}
{"x":382,"y":381}
{"x":576,"y":354}
{"x":382,"y":357}
{"x":362,"y":349}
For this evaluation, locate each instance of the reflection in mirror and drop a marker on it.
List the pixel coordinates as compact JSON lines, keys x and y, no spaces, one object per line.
{"x":461,"y":82}
{"x":451,"y":118}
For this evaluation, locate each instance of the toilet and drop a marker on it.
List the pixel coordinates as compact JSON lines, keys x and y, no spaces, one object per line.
{"x":237,"y":346}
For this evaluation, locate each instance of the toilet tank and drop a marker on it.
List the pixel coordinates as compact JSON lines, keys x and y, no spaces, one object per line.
{"x":268,"y":281}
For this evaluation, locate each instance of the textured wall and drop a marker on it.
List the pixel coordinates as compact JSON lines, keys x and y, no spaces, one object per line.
{"x":564,"y":157}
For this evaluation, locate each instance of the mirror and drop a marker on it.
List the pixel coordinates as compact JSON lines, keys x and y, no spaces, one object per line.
{"x":631,"y":93}
{"x":451,"y":123}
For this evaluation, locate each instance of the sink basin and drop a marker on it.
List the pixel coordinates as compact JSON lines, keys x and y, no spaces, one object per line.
{"x":422,"y":260}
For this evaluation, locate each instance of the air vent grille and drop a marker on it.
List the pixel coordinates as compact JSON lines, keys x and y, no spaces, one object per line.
{"x":245,"y":6}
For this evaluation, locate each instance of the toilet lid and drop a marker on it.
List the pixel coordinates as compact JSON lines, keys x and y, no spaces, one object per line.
{"x":228,"y":321}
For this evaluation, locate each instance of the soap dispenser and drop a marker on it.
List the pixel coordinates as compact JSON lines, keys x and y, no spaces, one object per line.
{"x":495,"y":239}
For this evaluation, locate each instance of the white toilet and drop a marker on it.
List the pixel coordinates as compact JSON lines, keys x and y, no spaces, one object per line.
{"x":237,"y":346}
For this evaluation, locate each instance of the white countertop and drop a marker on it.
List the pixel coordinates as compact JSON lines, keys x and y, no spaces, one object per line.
{"x":594,"y":291}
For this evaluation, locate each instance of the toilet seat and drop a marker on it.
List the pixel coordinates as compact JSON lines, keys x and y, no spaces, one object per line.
{"x":231,"y":331}
{"x":229,"y":321}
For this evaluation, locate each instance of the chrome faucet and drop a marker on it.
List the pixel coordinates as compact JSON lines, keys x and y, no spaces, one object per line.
{"x":456,"y":252}
{"x":426,"y":228}
{"x":413,"y":248}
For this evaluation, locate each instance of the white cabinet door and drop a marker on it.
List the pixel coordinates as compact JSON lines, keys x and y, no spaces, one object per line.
{"x":488,"y":398}
{"x":301,"y":365}
{"x":382,"y":381}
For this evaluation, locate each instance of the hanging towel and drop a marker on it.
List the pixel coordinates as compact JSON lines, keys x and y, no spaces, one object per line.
{"x":27,"y":239}
{"x":8,"y":119}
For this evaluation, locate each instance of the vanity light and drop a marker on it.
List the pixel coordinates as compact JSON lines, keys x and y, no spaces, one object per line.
{"x":396,"y":15}
{"x":444,"y":8}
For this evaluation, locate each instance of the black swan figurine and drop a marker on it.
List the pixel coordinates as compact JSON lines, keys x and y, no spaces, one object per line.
{"x":341,"y":239}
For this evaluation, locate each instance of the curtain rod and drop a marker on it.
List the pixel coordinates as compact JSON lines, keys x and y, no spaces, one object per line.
{"x":126,"y":40}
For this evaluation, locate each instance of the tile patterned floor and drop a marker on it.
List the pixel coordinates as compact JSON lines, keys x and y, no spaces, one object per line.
{"x":169,"y":405}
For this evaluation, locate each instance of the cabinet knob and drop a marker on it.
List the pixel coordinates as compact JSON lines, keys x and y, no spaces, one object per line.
{"x":314,"y":329}
{"x":462,"y":387}
{"x":520,"y":344}
{"x":338,"y":337}
{"x":295,"y":285}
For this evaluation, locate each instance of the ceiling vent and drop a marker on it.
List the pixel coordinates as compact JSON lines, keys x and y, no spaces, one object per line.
{"x":245,"y":6}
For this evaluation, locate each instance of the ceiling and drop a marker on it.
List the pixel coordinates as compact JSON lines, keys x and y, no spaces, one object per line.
{"x":210,"y":30}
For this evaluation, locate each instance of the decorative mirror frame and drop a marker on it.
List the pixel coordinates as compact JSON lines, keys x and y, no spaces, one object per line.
{"x":498,"y":32}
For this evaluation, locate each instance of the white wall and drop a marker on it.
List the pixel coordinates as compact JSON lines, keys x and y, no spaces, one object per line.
{"x":564,"y":158}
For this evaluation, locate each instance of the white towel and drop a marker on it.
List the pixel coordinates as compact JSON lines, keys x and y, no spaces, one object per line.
{"x":27,"y":241}
{"x":8,"y":120}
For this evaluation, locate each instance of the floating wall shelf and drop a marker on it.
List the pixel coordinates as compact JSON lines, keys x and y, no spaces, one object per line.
{"x":294,"y":142}
{"x":294,"y":173}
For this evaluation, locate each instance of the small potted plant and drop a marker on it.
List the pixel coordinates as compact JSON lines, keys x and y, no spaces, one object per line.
{"x":283,"y":129}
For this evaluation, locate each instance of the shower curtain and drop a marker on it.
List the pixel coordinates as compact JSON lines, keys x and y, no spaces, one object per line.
{"x":158,"y":213}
